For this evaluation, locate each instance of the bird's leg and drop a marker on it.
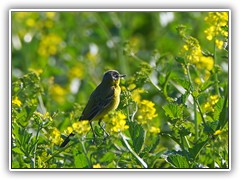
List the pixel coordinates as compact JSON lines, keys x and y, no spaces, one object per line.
{"x":99,"y":123}
{"x":94,"y":135}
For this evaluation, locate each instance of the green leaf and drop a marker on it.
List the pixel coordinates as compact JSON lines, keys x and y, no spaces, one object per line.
{"x":174,"y":111}
{"x":184,"y":131}
{"x":80,"y":160}
{"x":108,"y":157}
{"x":180,"y":60}
{"x":194,"y":151}
{"x":17,"y":150}
{"x":206,"y":85}
{"x":15,"y":164}
{"x":183,"y":82}
{"x":137,"y":135}
{"x":210,"y":127}
{"x":218,"y":109}
{"x":21,"y":118}
{"x":178,"y":161}
{"x":30,"y":110}
{"x":223,"y":118}
{"x":154,"y":144}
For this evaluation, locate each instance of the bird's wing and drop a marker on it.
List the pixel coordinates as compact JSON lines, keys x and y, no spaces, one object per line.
{"x":97,"y":103}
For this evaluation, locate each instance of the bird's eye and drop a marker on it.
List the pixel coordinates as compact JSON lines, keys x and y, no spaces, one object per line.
{"x":115,"y":76}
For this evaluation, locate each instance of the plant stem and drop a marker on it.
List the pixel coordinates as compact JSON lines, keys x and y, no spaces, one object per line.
{"x":194,"y":98}
{"x":200,"y":110}
{"x":195,"y":121}
{"x":154,"y":85}
{"x":215,"y":62}
{"x":124,"y":138}
{"x":165,"y":85}
{"x":134,"y":113}
{"x":35,"y":146}
{"x":85,"y":153}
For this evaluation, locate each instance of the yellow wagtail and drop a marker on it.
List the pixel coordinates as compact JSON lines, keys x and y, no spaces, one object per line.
{"x":104,"y":98}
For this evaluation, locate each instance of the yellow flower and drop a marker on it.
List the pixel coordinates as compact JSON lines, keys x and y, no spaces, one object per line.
{"x":49,"y":45}
{"x":50,"y":15}
{"x":69,"y":130}
{"x":58,"y":93}
{"x":154,"y":130}
{"x":132,"y":86}
{"x":146,"y":111}
{"x":123,"y":88}
{"x":16,"y":102}
{"x":209,"y":106}
{"x":36,"y":71}
{"x":185,"y":47}
{"x":56,"y":137}
{"x":210,"y":32}
{"x":193,"y":53}
{"x":198,"y":80}
{"x":116,"y":122}
{"x":81,"y":127}
{"x":77,"y":71}
{"x":205,"y":62}
{"x":43,"y":116}
{"x":97,"y":165}
{"x":136,"y":95}
{"x":214,"y":99}
{"x":217,"y":132}
{"x":30,"y":22}
{"x":217,"y":21}
{"x":219,"y":43}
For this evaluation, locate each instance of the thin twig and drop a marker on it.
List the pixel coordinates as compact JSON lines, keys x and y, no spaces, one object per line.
{"x":124,"y":138}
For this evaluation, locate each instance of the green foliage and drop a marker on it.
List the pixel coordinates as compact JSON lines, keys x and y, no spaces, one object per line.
{"x":174,"y":108}
{"x":178,"y":161}
{"x":174,"y":111}
{"x":137,"y":135}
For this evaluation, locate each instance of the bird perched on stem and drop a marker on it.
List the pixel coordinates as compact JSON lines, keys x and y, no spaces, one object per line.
{"x":104,"y":98}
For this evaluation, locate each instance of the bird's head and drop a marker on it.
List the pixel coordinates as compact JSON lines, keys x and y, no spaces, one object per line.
{"x":112,"y":77}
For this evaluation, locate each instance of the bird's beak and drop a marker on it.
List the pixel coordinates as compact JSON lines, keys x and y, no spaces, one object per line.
{"x":122,"y":75}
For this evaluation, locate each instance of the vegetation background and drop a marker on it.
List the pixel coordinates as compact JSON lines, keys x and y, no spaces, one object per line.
{"x":174,"y":102}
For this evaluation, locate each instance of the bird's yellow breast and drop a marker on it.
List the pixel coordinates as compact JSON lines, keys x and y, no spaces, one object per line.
{"x":116,"y":101}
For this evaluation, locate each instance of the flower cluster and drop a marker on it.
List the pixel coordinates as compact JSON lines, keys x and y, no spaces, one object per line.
{"x":16,"y":101}
{"x":49,"y":45}
{"x":115,"y":122}
{"x":80,"y":127}
{"x":45,"y":116}
{"x":218,"y":21}
{"x":146,"y":112}
{"x":154,"y":130}
{"x":77,"y":71}
{"x":56,"y":137}
{"x":136,"y":95}
{"x":209,"y":106}
{"x":42,"y":159}
{"x":193,"y":53}
{"x":58,"y":93}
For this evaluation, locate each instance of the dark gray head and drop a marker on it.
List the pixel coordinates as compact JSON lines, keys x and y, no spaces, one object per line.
{"x":112,"y":77}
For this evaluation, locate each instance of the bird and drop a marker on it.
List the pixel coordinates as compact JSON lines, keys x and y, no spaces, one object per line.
{"x":105,"y":98}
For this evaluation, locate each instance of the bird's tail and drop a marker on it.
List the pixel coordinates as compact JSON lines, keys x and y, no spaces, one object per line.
{"x":66,"y":140}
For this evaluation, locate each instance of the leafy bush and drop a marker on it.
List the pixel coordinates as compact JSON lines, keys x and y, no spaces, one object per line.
{"x":174,"y":101}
